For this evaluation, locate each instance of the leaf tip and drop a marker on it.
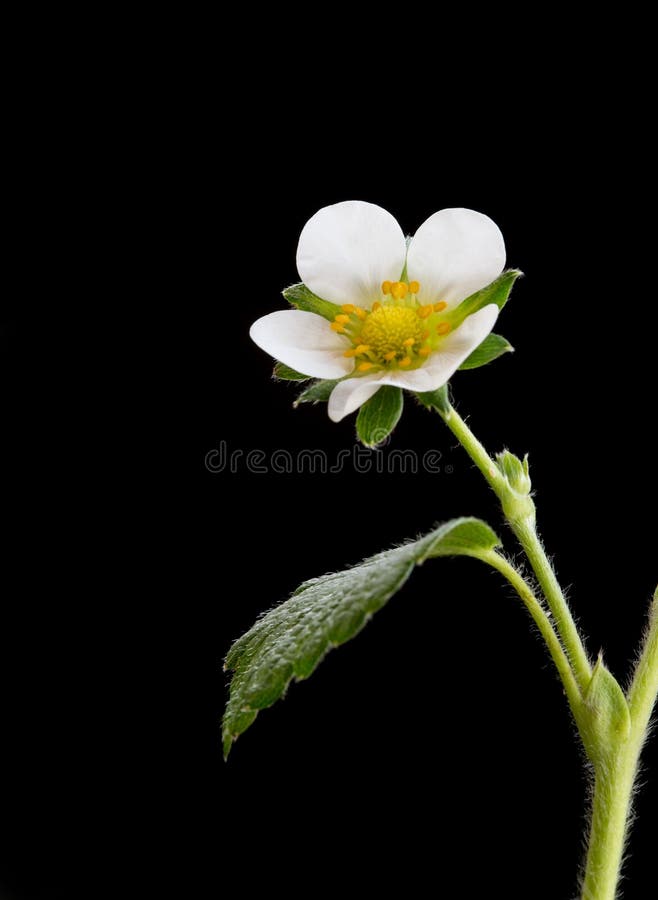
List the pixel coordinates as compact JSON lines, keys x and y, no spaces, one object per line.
{"x":229,"y":740}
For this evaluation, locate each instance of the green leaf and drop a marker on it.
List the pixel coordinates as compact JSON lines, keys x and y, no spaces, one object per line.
{"x":378,"y":416}
{"x":318,"y":392}
{"x":607,"y":719}
{"x":491,"y":348}
{"x":290,"y":640}
{"x":439,"y":399}
{"x":285,"y":373}
{"x":300,"y":296}
{"x":497,"y":292}
{"x":461,"y":537}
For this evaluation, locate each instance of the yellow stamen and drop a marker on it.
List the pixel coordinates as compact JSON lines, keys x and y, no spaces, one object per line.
{"x":414,"y":287}
{"x":399,"y":290}
{"x":389,"y":356}
{"x":362,"y":348}
{"x":376,"y":305}
{"x":406,"y":361}
{"x":361,"y":313}
{"x":342,"y":318}
{"x":364,"y":366}
{"x":439,"y":307}
{"x":425,"y":335}
{"x":424,"y":351}
{"x":336,"y":326}
{"x":348,"y":307}
{"x":443,"y":328}
{"x":408,"y":343}
{"x":424,"y":311}
{"x":349,"y":353}
{"x":386,"y":287}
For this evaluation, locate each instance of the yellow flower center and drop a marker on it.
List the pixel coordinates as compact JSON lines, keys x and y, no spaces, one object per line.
{"x":397,"y":332}
{"x":392,"y":329}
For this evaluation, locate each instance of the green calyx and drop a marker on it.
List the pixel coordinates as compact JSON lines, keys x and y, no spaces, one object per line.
{"x":515,"y":471}
{"x":514,"y":493}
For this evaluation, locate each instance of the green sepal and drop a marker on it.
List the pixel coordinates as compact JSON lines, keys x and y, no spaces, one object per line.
{"x":290,"y":640}
{"x":285,"y":373}
{"x":493,"y":346}
{"x":438,"y":399}
{"x":318,"y":392}
{"x":378,"y":416}
{"x":497,"y":292}
{"x":300,"y":296}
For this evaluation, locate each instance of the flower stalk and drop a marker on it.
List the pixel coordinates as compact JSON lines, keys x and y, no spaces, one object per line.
{"x":519,"y":511}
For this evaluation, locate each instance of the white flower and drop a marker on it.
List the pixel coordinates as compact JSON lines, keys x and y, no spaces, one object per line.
{"x":390,"y":331}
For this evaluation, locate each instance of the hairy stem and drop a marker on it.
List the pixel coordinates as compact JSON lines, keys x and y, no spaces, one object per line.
{"x":644,"y":687}
{"x":615,"y":762}
{"x":543,"y":623}
{"x":615,"y":777}
{"x":613,"y":789}
{"x":524,"y":529}
{"x":527,"y":536}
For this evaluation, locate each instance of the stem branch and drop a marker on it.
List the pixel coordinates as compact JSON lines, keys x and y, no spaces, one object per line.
{"x":543,"y":623}
{"x":614,"y":778}
{"x":616,"y":760}
{"x":524,"y":529}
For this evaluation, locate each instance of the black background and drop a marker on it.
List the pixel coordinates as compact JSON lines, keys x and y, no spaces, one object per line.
{"x":436,"y":748}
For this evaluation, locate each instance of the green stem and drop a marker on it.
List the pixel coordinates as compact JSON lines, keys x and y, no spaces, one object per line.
{"x":524,"y":528}
{"x":526,"y":533}
{"x":615,"y":777}
{"x":543,"y":623}
{"x":643,"y":690}
{"x":613,"y":788}
{"x":616,"y":764}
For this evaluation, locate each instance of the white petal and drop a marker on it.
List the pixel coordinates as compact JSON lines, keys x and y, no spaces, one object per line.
{"x":348,"y":395}
{"x":304,"y":342}
{"x":454,"y":349}
{"x":346,"y":250}
{"x":455,"y":253}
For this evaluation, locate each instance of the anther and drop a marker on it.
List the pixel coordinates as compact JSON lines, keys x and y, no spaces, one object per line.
{"x":440,"y":306}
{"x":443,"y":328}
{"x":364,"y":366}
{"x":406,"y":361}
{"x":414,"y":287}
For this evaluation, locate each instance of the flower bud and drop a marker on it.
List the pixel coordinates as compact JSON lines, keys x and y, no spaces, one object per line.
{"x":516,"y":472}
